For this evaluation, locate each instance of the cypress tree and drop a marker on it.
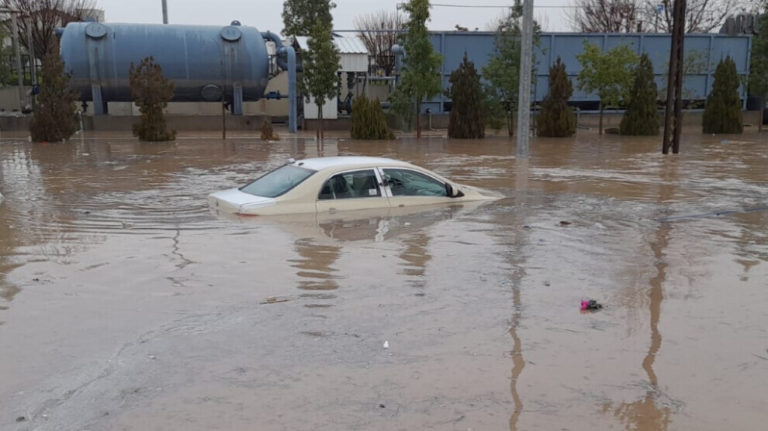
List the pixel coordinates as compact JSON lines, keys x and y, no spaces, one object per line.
{"x":466,"y":120}
{"x":54,"y":118}
{"x":368,"y":120}
{"x":151,"y":91}
{"x":723,"y":111}
{"x":556,"y":118}
{"x":642,"y":117}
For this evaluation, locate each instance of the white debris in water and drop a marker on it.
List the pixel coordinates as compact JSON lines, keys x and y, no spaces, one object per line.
{"x":386,"y":344}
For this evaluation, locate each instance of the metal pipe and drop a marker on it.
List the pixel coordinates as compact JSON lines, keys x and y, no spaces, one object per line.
{"x":31,"y":52}
{"x":292,"y":92}
{"x":272,"y":37}
{"x":286,"y":60}
{"x":19,"y":71}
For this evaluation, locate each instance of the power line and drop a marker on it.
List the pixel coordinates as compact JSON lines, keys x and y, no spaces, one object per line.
{"x":502,"y":6}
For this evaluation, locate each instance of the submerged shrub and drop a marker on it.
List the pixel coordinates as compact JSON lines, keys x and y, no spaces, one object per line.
{"x":466,"y":120}
{"x":556,"y":118}
{"x":368,"y":121}
{"x":54,"y":117}
{"x":723,"y":111}
{"x":151,"y":91}
{"x":642,"y":116}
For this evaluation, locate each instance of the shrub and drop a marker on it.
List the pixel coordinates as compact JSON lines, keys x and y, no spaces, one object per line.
{"x":151,"y":91}
{"x":642,"y":116}
{"x":368,"y":121}
{"x":723,"y":111}
{"x":466,"y":120}
{"x":267,"y":132}
{"x":556,"y":118}
{"x":54,"y":118}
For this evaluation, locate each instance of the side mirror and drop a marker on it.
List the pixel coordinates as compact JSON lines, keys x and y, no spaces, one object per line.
{"x":451,"y":192}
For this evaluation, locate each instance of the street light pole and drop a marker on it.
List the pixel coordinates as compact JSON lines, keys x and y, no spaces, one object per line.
{"x":524,"y":96}
{"x":165,"y":11}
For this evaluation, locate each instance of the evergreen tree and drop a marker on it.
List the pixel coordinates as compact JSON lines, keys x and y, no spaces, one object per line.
{"x":151,"y":92}
{"x":420,"y":77}
{"x":723,"y":111}
{"x":321,"y":62}
{"x":54,"y":118}
{"x":642,"y":116}
{"x":556,"y":118}
{"x":368,"y":120}
{"x":466,"y":120}
{"x":758,"y":65}
{"x":299,"y":16}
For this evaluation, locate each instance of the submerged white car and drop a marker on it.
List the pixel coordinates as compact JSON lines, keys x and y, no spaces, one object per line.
{"x":331,"y":184}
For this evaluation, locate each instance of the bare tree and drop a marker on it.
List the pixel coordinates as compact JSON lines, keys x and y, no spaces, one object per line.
{"x":42,"y":17}
{"x":379,"y":31}
{"x":701,"y":16}
{"x":606,"y":16}
{"x":626,"y":16}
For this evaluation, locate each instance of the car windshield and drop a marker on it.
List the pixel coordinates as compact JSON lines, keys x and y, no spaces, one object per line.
{"x":278,"y":182}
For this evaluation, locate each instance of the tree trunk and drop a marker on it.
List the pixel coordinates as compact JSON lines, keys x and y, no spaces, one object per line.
{"x":319,"y":131}
{"x":511,"y":123}
{"x":762,"y":115}
{"x":600,"y":126}
{"x":418,"y":119}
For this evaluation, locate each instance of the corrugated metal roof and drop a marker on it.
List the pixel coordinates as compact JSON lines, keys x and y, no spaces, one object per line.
{"x":350,"y":45}
{"x":345,"y":45}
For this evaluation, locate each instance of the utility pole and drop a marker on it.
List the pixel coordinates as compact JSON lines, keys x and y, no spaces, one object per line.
{"x":674,"y":111}
{"x":165,"y":11}
{"x":524,"y":93}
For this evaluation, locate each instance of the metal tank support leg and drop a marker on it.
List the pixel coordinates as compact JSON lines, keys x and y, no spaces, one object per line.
{"x":237,"y":103}
{"x":99,"y":105}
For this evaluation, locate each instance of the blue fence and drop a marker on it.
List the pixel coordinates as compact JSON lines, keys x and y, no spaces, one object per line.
{"x":705,"y":49}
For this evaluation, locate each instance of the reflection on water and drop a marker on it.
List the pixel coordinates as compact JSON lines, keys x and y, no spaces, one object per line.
{"x":315,"y":267}
{"x":121,"y":236}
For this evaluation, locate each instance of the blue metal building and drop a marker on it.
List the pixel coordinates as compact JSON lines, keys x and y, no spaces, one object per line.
{"x":708,"y":49}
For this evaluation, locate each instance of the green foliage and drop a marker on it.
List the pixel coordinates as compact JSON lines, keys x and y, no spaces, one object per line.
{"x":723,"y":111}
{"x":420,"y":77}
{"x":642,"y":116}
{"x":503,"y":69}
{"x":319,"y":80}
{"x":466,"y":93}
{"x":151,"y":92}
{"x":609,"y":74}
{"x":299,"y":16}
{"x":54,"y":118}
{"x":368,"y":120}
{"x":557,"y":119}
{"x":758,"y":69}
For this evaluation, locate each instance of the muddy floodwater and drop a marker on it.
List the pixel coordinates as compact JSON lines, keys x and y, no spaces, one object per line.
{"x":126,"y":304}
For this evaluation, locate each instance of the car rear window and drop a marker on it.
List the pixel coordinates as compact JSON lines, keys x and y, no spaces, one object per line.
{"x":278,"y":182}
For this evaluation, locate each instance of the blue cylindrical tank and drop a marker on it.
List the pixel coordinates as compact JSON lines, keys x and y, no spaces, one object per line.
{"x":207,"y":63}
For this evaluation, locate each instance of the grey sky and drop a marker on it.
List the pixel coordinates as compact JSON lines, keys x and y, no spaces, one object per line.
{"x":265,"y":14}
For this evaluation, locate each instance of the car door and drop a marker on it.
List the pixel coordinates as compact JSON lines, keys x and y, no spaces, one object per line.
{"x":409,"y":187}
{"x":351,"y":190}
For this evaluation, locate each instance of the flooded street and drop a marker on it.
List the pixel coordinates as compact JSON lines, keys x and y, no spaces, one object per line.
{"x":126,"y":304}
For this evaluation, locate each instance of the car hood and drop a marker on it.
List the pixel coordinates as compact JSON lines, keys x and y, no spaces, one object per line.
{"x":237,"y":201}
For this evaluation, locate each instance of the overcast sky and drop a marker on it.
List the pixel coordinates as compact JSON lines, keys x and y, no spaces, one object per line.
{"x":265,"y":14}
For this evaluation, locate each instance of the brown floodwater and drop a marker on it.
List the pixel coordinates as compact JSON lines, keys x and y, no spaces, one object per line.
{"x":126,"y":304}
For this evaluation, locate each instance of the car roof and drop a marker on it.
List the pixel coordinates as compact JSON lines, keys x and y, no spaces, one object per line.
{"x":321,"y":163}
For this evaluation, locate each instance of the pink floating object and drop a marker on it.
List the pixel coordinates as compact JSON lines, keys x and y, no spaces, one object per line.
{"x":584,"y":305}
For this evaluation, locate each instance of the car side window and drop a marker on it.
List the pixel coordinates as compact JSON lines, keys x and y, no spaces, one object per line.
{"x":405,"y":182}
{"x":349,"y":185}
